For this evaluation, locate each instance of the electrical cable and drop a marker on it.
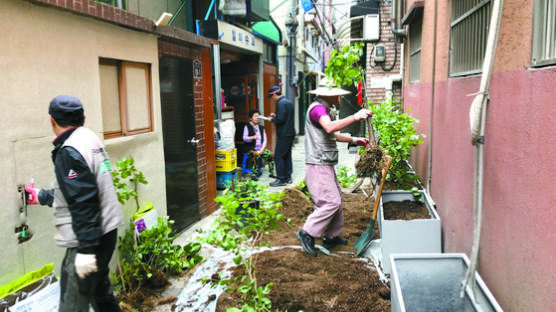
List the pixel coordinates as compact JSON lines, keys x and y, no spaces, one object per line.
{"x":327,"y":39}
{"x":395,"y":57}
{"x":370,"y":55}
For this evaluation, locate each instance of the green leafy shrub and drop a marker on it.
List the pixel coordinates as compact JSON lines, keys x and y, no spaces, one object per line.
{"x":248,"y":213}
{"x":343,"y":68}
{"x":397,"y":136}
{"x":302,"y":186}
{"x":153,"y":250}
{"x":418,"y":196}
{"x":125,"y":175}
{"x":346,"y":176}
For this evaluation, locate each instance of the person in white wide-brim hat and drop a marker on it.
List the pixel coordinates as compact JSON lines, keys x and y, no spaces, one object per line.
{"x":326,"y":89}
{"x":321,"y":154}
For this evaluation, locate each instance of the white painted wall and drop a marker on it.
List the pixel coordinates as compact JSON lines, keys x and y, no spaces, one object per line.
{"x":46,"y":52}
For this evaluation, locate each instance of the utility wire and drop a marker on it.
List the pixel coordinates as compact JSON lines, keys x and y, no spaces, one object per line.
{"x":328,"y":39}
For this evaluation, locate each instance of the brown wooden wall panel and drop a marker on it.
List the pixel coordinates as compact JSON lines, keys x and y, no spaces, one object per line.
{"x":208,"y":117}
{"x":269,"y":80}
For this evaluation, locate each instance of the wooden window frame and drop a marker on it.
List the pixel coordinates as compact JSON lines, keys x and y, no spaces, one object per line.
{"x":122,"y":88}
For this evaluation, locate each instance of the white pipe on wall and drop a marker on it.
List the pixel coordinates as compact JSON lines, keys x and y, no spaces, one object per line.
{"x":477,"y":116}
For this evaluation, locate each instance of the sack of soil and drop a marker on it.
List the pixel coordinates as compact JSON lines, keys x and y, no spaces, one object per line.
{"x":26,"y":286}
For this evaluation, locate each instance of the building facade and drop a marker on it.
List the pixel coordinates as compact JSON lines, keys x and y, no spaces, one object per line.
{"x":115,"y":61}
{"x":443,"y":58}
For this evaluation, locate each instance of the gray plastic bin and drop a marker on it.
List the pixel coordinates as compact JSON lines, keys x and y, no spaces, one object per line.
{"x":432,"y":282}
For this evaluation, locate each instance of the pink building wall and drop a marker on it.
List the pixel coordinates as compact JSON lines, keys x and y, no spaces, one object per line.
{"x":518,"y":238}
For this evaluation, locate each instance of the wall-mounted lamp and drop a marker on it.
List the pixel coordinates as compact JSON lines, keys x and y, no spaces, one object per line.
{"x":164,"y":19}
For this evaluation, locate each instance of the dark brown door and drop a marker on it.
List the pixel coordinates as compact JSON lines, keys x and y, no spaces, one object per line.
{"x":180,"y":146}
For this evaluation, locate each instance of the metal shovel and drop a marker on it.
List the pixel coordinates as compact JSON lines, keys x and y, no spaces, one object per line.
{"x":363,"y":242}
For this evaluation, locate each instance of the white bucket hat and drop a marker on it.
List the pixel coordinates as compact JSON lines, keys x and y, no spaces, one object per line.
{"x":326,"y":88}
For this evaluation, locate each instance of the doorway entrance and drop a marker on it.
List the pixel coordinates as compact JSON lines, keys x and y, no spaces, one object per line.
{"x":180,"y":146}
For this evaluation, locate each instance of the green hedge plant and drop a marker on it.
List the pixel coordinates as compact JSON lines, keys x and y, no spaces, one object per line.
{"x":153,"y":250}
{"x":346,"y":176}
{"x":248,"y":213}
{"x":398,"y":137}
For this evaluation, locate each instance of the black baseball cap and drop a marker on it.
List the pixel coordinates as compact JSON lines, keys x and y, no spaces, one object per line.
{"x":273,"y":90}
{"x":64,"y":105}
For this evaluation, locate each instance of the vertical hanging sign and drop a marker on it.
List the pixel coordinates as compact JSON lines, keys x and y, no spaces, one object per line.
{"x":197,"y":69}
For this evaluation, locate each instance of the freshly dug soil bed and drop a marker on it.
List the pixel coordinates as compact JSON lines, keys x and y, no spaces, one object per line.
{"x":405,"y":210}
{"x":297,"y":207}
{"x":322,"y":283}
{"x":302,"y":282}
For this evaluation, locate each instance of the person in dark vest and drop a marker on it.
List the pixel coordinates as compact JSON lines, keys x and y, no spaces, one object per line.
{"x":283,"y":119}
{"x":255,"y":140}
{"x":86,"y":209}
{"x":322,"y":131}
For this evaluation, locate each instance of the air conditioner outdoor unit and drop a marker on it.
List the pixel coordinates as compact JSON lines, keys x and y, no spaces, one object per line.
{"x":233,"y":7}
{"x":371,"y":27}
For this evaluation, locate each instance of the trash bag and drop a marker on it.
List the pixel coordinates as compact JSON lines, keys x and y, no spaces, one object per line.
{"x":227,"y":135}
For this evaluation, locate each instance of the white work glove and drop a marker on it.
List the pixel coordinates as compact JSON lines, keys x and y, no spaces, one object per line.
{"x":363,"y":114}
{"x":85,"y":264}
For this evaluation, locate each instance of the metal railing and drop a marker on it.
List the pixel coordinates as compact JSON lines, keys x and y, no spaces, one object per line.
{"x":468,"y":35}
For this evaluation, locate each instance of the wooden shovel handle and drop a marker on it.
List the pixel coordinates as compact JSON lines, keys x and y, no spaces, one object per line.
{"x":384,"y":172}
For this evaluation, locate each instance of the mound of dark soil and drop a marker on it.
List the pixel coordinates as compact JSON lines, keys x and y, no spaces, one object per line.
{"x":303,"y":282}
{"x":322,"y":283}
{"x":144,"y":296}
{"x":405,"y":210}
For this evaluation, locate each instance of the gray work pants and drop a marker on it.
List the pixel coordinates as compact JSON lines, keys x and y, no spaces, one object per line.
{"x":95,"y":289}
{"x":328,"y":216}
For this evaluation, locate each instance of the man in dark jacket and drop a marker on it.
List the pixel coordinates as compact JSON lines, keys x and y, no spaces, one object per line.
{"x":283,"y":119}
{"x":86,"y":207}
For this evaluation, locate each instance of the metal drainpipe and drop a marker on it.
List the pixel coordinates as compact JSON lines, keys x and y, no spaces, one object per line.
{"x":217,"y":79}
{"x":395,"y":14}
{"x":477,"y":115}
{"x":431,"y":107}
{"x":291,"y":23}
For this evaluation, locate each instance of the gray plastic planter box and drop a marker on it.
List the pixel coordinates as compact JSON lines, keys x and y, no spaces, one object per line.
{"x":407,"y":236}
{"x":432,"y":282}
